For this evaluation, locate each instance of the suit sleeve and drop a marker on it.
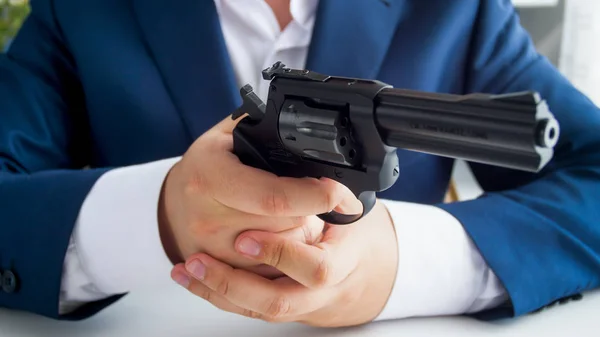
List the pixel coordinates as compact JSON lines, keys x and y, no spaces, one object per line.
{"x":538,"y":232}
{"x":44,"y":146}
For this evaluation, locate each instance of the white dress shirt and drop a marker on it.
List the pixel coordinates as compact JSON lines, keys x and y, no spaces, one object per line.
{"x":116,"y":247}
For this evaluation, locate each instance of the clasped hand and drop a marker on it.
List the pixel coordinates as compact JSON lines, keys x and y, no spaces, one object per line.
{"x":263,"y":254}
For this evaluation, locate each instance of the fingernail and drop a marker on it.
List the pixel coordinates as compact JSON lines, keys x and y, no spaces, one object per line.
{"x":197,"y":269}
{"x":249,"y":247}
{"x":182,"y":279}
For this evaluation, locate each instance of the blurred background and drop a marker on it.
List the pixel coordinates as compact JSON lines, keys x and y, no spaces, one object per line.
{"x":565,"y":31}
{"x":12,"y":14}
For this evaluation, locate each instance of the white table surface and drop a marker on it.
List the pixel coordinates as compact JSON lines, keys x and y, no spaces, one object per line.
{"x":175,"y":313}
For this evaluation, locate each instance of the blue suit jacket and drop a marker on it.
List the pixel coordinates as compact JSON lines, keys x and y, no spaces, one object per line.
{"x":109,"y":83}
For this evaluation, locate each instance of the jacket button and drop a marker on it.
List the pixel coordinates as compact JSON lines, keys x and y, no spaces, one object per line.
{"x":9,"y":282}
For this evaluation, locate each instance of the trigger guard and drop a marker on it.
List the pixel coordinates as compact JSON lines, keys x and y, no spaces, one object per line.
{"x":367,"y":199}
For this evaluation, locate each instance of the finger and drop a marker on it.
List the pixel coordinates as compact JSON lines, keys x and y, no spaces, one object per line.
{"x":309,"y":230}
{"x":183,"y":278}
{"x":266,"y":271}
{"x":349,"y":204}
{"x":275,"y":196}
{"x":304,"y":228}
{"x":256,"y":191}
{"x":227,"y":125}
{"x":324,"y":264}
{"x":273,"y":300}
{"x":220,"y":136}
{"x":310,"y":234}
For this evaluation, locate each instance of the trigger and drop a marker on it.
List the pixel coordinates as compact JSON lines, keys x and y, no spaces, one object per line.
{"x":368,"y":200}
{"x":335,"y":218}
{"x":251,"y":105}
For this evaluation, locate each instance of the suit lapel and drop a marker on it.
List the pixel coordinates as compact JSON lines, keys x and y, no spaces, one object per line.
{"x":351,"y":37}
{"x":185,"y":39}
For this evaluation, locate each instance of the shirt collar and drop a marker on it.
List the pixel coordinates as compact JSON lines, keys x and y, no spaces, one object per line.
{"x":303,"y":11}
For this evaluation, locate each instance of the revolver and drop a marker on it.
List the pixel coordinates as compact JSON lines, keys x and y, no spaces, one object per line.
{"x":348,"y":130}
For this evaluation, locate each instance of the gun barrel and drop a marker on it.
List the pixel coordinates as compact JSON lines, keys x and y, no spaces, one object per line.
{"x":514,"y":131}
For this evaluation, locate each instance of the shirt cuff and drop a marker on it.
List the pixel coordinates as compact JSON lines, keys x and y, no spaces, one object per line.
{"x":440,"y":271}
{"x":116,"y":241}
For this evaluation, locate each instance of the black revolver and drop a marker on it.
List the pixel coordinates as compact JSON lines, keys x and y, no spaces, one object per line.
{"x":348,"y":129}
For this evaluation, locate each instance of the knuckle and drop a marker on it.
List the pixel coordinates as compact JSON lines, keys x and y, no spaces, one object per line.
{"x":275,"y":253}
{"x":279,"y":308}
{"x":251,"y":314}
{"x":322,"y":273}
{"x":275,"y":202}
{"x":205,"y":294}
{"x":195,"y":183}
{"x":307,"y":234}
{"x":223,"y":287}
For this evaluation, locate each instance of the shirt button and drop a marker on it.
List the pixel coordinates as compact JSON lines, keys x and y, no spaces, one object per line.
{"x":9,"y":282}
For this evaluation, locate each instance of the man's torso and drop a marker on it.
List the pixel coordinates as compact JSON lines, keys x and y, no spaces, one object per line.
{"x":156,"y":75}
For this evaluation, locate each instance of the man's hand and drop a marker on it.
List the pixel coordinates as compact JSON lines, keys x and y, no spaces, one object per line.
{"x":343,"y":280}
{"x":210,"y":197}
